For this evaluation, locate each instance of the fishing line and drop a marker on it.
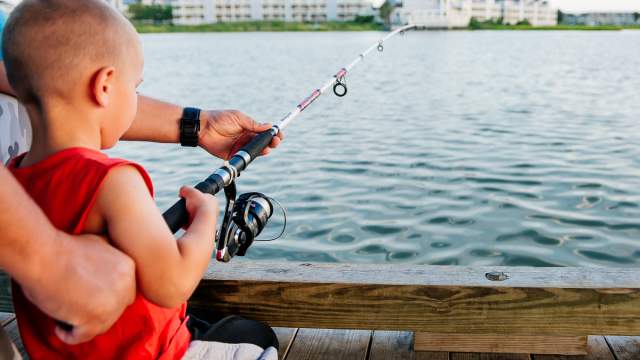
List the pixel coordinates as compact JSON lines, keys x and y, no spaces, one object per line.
{"x":284,"y":226}
{"x":246,"y":216}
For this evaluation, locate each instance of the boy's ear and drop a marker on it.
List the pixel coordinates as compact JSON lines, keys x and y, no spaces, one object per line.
{"x":102,"y":85}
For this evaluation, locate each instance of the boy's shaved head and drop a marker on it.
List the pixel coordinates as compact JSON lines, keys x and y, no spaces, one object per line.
{"x":49,"y":45}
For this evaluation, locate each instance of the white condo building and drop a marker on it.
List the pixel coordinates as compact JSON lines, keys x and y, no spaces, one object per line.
{"x":194,"y":12}
{"x":118,"y":4}
{"x":458,"y":13}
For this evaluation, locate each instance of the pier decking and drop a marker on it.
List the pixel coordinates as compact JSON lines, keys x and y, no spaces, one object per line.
{"x":425,"y":312}
{"x":312,"y":344}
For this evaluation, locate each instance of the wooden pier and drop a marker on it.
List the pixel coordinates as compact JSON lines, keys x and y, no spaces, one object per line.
{"x":427,"y":312}
{"x":317,"y":344}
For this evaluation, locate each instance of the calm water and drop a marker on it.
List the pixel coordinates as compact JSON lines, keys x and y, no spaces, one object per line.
{"x":483,"y":148}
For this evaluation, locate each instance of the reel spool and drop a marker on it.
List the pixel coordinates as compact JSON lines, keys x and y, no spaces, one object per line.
{"x":245,"y":218}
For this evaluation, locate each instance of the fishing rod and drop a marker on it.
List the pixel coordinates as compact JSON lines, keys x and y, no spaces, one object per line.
{"x":246,"y":216}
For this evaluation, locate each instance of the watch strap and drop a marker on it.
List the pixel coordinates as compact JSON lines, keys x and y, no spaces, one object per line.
{"x":190,"y":127}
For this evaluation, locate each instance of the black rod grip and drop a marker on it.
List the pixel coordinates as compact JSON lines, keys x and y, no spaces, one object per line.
{"x":177,"y":216}
{"x":258,"y":143}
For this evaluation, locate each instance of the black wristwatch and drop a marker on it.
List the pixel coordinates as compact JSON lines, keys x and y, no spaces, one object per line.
{"x":190,"y":127}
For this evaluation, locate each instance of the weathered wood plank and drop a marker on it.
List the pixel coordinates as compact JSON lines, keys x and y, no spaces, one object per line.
{"x":464,"y":356}
{"x":5,"y":318}
{"x":5,"y":293}
{"x":14,"y":334}
{"x":395,"y":274}
{"x":491,"y":343}
{"x":425,"y":298}
{"x":505,"y":357}
{"x":625,"y":347}
{"x":285,"y":338}
{"x":311,"y":344}
{"x":488,"y":356}
{"x":397,"y":345}
{"x":597,"y":349}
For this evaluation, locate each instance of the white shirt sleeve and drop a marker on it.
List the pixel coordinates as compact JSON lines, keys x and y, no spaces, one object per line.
{"x":15,"y":129}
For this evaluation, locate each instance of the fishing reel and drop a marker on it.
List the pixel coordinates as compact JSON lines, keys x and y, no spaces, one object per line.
{"x":245,"y":217}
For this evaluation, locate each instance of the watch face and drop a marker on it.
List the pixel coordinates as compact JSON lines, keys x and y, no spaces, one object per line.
{"x":190,"y":127}
{"x":191,"y":114}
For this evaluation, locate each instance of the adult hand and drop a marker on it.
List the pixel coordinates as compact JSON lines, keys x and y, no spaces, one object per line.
{"x":223,"y":133}
{"x":89,"y":287}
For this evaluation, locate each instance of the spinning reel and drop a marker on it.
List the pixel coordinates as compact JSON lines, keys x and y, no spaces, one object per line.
{"x":244,"y":219}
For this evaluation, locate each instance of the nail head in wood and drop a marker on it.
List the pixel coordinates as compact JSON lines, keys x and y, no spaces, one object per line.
{"x":497,"y":276}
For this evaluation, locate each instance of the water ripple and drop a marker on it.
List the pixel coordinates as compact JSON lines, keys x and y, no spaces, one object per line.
{"x":468,"y":148}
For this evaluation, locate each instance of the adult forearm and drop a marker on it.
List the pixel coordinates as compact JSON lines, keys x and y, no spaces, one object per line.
{"x":28,"y":238}
{"x":156,"y":121}
{"x":82,"y":281}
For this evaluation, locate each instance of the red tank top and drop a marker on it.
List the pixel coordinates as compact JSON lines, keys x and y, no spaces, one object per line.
{"x":65,"y":186}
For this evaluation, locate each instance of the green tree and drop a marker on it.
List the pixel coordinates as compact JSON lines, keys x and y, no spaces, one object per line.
{"x":156,"y":13}
{"x":385,"y":11}
{"x":474,"y":24}
{"x":364,"y":19}
{"x":560,"y":17}
{"x":636,"y":16}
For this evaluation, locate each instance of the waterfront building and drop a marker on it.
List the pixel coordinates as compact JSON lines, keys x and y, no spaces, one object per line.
{"x":448,"y":14}
{"x":596,"y":19}
{"x":194,"y":12}
{"x":118,"y":4}
{"x":156,"y":2}
{"x":437,"y":14}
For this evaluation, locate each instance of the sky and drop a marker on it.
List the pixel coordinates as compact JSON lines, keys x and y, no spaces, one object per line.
{"x":596,"y":5}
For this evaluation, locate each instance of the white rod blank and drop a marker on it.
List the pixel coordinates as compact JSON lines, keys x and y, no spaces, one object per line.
{"x":338,"y":77}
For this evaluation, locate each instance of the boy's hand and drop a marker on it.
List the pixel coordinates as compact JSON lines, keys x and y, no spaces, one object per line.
{"x":223,"y":133}
{"x":200,"y":204}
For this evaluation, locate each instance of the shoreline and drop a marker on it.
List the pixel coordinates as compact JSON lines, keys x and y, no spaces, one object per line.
{"x":254,"y":26}
{"x":552,"y":28}
{"x":281,"y":26}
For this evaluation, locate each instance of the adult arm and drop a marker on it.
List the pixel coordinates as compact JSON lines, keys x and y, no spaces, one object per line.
{"x":223,"y":132}
{"x":78,"y":280}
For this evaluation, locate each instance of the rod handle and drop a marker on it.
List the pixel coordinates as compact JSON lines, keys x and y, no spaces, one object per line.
{"x":258,"y":143}
{"x":177,"y":216}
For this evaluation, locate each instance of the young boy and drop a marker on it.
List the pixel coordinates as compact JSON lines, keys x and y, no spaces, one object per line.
{"x":75,"y":65}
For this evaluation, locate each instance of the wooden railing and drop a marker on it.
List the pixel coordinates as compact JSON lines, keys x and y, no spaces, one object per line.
{"x":436,"y":299}
{"x":531,"y":309}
